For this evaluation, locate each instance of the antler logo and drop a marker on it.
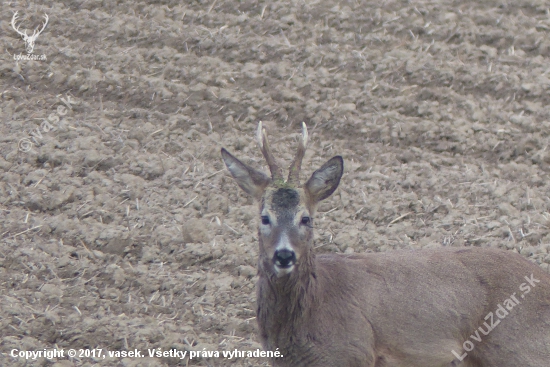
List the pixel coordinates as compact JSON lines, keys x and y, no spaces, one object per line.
{"x":29,"y":40}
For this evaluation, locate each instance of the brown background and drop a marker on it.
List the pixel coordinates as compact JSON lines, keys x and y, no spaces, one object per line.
{"x":121,"y":229}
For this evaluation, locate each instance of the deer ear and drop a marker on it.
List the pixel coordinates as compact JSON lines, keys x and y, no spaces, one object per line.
{"x":252,"y":181}
{"x":325,"y":180}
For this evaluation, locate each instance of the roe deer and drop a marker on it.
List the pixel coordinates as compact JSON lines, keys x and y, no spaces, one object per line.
{"x":475,"y":307}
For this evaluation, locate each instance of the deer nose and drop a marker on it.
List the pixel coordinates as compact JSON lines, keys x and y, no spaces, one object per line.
{"x":284,"y":258}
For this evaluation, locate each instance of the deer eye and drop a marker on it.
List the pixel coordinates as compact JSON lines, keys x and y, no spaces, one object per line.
{"x":265,"y":220}
{"x":306,"y":221}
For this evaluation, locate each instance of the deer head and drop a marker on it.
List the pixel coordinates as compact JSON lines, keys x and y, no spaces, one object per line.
{"x":287,"y":208}
{"x":29,"y":40}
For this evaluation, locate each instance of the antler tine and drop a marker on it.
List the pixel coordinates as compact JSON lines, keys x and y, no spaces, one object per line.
{"x":13,"y":20}
{"x":294,"y":170}
{"x":276,"y":173}
{"x":45,"y":23}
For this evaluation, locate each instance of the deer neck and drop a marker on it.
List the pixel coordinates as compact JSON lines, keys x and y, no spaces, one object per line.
{"x":284,"y":303}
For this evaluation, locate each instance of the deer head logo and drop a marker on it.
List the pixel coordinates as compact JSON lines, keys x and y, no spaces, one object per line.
{"x":29,"y":40}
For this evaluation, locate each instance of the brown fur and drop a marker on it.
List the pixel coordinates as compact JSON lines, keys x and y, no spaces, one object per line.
{"x":392,"y":309}
{"x":406,"y":308}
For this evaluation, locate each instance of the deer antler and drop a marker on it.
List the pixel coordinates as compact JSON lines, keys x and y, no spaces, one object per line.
{"x":36,"y":32}
{"x":13,"y":20}
{"x":43,"y":26}
{"x":276,"y":173}
{"x":294,"y":170}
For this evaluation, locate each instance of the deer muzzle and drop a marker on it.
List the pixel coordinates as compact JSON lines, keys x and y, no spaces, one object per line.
{"x":284,"y":258}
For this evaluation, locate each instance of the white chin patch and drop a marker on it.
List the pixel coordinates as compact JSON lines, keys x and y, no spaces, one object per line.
{"x":283,"y":271}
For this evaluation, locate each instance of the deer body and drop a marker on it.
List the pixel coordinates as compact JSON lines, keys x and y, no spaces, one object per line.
{"x":407,"y":308}
{"x":422,"y":308}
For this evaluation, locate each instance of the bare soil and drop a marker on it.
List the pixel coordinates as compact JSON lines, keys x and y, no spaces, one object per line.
{"x":120,"y":227}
